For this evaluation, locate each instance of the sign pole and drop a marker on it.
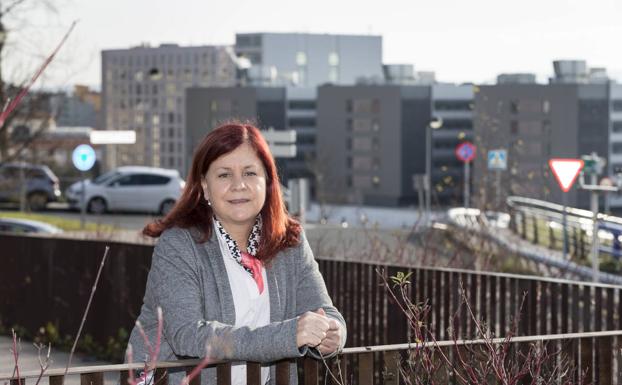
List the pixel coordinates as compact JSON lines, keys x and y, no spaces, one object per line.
{"x":498,"y":188}
{"x":467,"y":198}
{"x":565,"y":224}
{"x":465,"y":152}
{"x":82,"y":201}
{"x":83,"y":158}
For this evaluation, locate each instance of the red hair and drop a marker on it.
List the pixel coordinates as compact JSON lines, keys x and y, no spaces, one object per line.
{"x":279,"y":231}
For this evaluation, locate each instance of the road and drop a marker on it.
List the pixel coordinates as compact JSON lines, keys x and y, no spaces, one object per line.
{"x":125,"y":221}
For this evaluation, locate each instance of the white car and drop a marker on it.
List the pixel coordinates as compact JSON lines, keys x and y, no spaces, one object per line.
{"x":129,"y":188}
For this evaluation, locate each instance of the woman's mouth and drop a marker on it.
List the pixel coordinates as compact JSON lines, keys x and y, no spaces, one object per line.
{"x":238,"y":201}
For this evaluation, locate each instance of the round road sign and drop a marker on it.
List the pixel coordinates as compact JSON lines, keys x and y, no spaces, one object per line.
{"x":83,"y":157}
{"x":465,"y":151}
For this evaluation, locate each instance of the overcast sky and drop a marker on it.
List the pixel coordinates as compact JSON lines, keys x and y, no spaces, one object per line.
{"x":462,"y":41}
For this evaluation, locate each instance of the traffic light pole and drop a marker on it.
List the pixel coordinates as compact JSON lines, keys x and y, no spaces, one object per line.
{"x":595,"y":240}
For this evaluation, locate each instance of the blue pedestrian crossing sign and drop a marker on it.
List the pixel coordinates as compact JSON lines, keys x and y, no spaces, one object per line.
{"x":83,"y":157}
{"x":497,"y":160}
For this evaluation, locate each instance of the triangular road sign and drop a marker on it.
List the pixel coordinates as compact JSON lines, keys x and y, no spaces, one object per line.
{"x":566,"y":171}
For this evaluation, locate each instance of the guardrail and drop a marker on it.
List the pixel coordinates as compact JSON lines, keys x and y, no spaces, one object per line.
{"x":594,"y":354}
{"x":541,"y":222}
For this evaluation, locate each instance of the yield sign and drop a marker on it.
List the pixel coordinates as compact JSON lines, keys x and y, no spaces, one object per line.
{"x":565,"y":171}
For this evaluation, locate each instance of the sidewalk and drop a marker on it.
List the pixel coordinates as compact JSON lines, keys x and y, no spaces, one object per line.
{"x":28,"y":361}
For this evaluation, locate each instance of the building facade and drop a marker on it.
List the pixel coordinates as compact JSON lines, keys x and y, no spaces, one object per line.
{"x":534,"y":123}
{"x":310,"y":60}
{"x":371,"y":142}
{"x":208,"y":107}
{"x":80,"y":109}
{"x":143,"y":89}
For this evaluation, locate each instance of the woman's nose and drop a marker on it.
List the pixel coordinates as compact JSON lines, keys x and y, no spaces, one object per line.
{"x":238,"y":182}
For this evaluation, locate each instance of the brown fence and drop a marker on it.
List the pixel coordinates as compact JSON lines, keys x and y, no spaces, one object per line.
{"x":50,"y":280}
{"x":590,"y":358}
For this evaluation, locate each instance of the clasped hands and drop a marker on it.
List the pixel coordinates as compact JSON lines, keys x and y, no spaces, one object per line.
{"x":316,"y":330}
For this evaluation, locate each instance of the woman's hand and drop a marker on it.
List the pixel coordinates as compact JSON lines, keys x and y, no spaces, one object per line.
{"x":312,"y":329}
{"x":332,"y":341}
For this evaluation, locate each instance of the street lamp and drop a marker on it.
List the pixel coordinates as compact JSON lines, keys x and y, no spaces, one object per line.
{"x":434,"y":124}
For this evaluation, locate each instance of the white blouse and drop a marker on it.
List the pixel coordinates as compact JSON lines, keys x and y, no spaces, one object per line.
{"x":251,"y":308}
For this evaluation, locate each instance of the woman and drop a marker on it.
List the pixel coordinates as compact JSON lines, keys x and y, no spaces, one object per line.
{"x":232,"y":271}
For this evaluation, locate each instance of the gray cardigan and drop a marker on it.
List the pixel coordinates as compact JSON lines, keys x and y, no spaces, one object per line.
{"x":189,"y":281}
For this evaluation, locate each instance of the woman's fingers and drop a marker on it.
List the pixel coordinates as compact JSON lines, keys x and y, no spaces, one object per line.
{"x":332,"y":341}
{"x":311,"y":329}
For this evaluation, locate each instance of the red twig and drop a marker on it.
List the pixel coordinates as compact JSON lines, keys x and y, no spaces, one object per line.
{"x":15,"y":102}
{"x":197,"y":369}
{"x":129,"y":357}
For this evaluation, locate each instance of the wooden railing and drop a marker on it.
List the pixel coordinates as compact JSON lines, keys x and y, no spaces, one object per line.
{"x":594,"y":354}
{"x":54,"y":277}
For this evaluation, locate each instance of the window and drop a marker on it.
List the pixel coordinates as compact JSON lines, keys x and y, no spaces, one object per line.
{"x":617,"y":127}
{"x":362,"y":106}
{"x":453,"y":105}
{"x":457,"y":124}
{"x":152,"y":179}
{"x":361,"y":125}
{"x":127,"y":180}
{"x":302,"y":105}
{"x":361,"y":163}
{"x":530,"y":128}
{"x":546,"y":106}
{"x":361,"y":181}
{"x":9,"y":172}
{"x":362,"y":144}
{"x":33,"y":173}
{"x":616,"y":147}
{"x":333,"y":74}
{"x":302,"y":122}
{"x":375,"y":165}
{"x":617,"y":105}
{"x":333,"y":59}
{"x":375,"y":125}
{"x":301,"y":59}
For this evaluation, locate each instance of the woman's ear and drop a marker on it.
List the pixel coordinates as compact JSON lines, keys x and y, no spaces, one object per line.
{"x":204,"y":188}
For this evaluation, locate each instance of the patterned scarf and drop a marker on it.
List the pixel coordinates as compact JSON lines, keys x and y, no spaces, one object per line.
{"x":248,"y":261}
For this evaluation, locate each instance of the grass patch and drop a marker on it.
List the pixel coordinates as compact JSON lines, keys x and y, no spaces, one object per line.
{"x":62,"y":223}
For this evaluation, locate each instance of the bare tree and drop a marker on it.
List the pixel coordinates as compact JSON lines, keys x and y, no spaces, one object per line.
{"x":15,"y":104}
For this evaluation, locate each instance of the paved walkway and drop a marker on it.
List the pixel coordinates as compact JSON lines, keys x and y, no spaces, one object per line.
{"x":28,"y":361}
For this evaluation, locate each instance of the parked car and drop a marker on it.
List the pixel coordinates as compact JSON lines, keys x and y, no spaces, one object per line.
{"x":38,"y":183}
{"x":14,"y":225}
{"x":129,"y":188}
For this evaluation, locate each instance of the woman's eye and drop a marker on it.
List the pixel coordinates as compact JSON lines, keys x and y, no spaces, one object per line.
{"x":223,"y":175}
{"x":251,"y":173}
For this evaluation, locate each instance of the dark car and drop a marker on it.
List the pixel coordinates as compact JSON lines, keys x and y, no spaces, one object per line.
{"x":37,"y":182}
{"x":15,"y":225}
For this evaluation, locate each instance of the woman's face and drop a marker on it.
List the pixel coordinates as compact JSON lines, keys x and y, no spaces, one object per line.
{"x":235,"y":185}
